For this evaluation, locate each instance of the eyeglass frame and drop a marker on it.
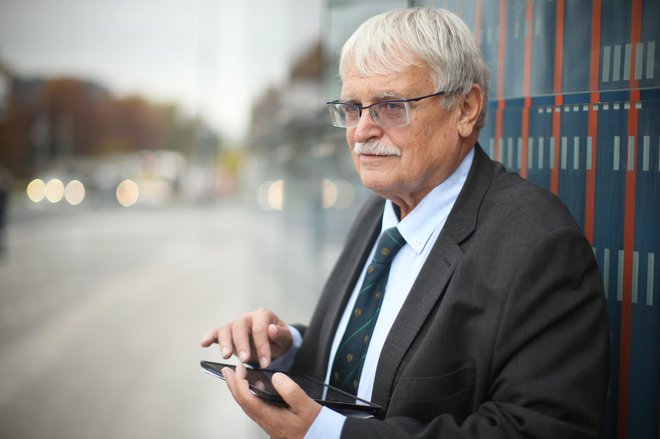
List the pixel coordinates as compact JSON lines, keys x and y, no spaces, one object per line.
{"x":373,"y":116}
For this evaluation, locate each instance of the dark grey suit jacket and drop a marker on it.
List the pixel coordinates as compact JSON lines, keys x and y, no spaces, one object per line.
{"x":504,"y":333}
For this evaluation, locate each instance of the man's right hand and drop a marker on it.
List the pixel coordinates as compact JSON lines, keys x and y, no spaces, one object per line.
{"x":258,"y":336}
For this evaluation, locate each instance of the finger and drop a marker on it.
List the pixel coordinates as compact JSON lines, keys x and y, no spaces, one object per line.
{"x":225,"y":342}
{"x":298,"y":401}
{"x":270,"y":417}
{"x":240,"y":335}
{"x":230,"y":379}
{"x":209,"y":338}
{"x":228,"y":374}
{"x":261,"y":340}
{"x":240,"y":390}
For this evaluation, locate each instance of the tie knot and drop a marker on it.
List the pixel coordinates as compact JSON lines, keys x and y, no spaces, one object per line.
{"x":389,"y":243}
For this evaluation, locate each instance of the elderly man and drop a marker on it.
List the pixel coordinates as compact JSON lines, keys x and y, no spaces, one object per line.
{"x":482,"y":315}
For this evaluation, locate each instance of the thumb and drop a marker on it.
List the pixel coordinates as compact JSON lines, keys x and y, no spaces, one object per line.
{"x":295,"y":396}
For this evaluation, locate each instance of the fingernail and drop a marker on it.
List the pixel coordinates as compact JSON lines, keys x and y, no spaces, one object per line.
{"x":242,"y":356}
{"x":278,"y":378}
{"x":226,"y":352}
{"x":263,"y":362}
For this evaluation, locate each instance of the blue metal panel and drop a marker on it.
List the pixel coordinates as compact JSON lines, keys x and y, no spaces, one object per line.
{"x":573,"y":157}
{"x":614,"y":36}
{"x":511,"y":153}
{"x":538,"y":149}
{"x":543,"y":48}
{"x":577,"y":46}
{"x":645,"y":349}
{"x":487,"y":134}
{"x":608,"y":236}
{"x":650,"y":61}
{"x":515,"y":43}
{"x":626,"y":69}
{"x":489,"y":38}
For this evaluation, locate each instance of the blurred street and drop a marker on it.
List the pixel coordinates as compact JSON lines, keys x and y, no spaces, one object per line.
{"x":101,"y":312}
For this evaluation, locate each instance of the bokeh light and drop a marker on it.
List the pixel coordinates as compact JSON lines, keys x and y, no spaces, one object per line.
{"x":276,"y":195}
{"x":74,"y":192}
{"x":54,"y":190}
{"x":128,"y":193}
{"x":270,"y":195}
{"x":345,"y":194}
{"x":330,"y":193}
{"x":36,"y":190}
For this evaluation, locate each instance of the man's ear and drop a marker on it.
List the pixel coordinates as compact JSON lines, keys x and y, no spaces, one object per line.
{"x":470,"y":108}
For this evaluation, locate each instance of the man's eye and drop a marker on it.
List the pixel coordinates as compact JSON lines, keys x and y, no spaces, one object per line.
{"x":350,"y":109}
{"x":393,"y":106}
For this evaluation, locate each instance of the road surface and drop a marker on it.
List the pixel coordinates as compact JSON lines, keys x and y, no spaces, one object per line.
{"x":101,"y":312}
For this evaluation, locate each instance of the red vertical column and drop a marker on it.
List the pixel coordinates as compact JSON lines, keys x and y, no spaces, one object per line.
{"x":458,"y":10}
{"x":477,"y":21}
{"x":594,"y":85}
{"x":527,"y":73}
{"x":629,"y":226}
{"x":501,"y":55}
{"x":559,"y":98}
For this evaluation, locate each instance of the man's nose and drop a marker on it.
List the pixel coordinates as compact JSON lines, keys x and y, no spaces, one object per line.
{"x":366,"y":128}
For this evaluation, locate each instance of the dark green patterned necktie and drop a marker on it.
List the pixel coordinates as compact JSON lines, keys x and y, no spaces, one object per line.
{"x":349,"y":359}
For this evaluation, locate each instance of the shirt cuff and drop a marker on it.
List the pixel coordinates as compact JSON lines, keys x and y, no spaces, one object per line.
{"x":327,"y":425}
{"x":285,"y":362}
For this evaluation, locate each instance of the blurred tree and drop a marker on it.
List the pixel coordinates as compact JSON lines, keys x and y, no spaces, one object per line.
{"x":72,"y":110}
{"x":53,"y":119}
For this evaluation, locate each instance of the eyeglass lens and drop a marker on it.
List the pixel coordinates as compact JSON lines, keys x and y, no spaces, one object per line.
{"x":386,"y":114}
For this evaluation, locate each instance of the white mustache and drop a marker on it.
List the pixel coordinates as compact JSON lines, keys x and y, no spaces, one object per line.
{"x":372,"y":147}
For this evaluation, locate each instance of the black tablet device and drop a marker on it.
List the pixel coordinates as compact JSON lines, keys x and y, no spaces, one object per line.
{"x":331,"y":397}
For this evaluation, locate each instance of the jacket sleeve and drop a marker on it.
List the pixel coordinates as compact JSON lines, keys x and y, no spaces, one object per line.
{"x":550,"y":365}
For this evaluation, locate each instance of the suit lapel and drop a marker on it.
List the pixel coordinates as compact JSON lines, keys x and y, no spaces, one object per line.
{"x":436,"y":273}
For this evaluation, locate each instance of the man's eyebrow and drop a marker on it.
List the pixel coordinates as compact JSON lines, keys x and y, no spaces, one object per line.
{"x":387,"y":95}
{"x":383,"y":96}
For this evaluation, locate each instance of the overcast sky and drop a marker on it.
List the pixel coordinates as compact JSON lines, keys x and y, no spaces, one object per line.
{"x":211,"y":57}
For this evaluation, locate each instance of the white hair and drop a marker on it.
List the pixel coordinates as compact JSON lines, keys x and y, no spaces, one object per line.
{"x":391,"y":41}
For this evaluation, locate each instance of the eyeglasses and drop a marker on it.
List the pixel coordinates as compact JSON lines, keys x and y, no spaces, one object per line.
{"x":386,"y":114}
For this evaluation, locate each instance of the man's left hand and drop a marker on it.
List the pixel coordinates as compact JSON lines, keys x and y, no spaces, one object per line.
{"x":279,"y":422}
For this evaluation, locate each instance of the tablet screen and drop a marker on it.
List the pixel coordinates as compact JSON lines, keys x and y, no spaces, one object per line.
{"x":260,"y":384}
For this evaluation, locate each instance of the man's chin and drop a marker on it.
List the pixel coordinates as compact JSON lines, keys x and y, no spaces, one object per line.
{"x":375,"y":181}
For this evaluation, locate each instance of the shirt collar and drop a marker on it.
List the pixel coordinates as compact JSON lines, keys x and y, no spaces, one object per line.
{"x":418,"y":226}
